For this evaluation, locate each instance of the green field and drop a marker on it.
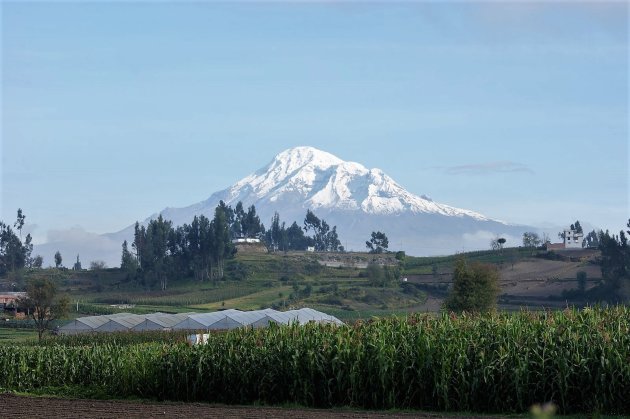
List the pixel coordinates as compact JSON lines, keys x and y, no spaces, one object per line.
{"x":497,"y":363}
{"x":252,"y":281}
{"x":397,"y":359}
{"x":12,"y":335}
{"x":277,"y":280}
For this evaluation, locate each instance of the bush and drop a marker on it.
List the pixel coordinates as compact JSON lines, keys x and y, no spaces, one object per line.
{"x":313,"y":268}
{"x":475,"y":287}
{"x":238,"y":271}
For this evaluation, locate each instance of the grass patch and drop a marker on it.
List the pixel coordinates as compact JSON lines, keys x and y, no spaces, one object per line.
{"x":254,"y":301}
{"x":10,"y":335}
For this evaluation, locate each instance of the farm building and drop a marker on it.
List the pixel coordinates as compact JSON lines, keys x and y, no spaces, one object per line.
{"x":571,"y":240}
{"x":9,"y":298}
{"x":219,"y":320}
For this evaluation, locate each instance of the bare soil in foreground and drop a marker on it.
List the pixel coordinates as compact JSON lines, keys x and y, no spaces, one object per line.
{"x":15,"y":406}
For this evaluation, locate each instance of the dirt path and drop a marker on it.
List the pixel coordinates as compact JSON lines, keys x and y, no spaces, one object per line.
{"x":43,"y":407}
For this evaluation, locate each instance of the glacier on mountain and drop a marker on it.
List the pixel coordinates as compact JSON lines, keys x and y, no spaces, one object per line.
{"x":323,"y":181}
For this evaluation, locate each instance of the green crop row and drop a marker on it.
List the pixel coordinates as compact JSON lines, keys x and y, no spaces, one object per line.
{"x":186,"y":299}
{"x":114,"y":338}
{"x":580,"y":360}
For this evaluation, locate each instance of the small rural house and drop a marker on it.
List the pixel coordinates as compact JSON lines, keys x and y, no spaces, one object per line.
{"x":241,"y":240}
{"x":8,"y":299}
{"x":572,"y":240}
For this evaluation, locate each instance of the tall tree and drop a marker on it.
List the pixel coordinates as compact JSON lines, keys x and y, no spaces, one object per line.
{"x":311,"y":222}
{"x":275,"y":232}
{"x":377,"y":243}
{"x":206,"y":247}
{"x":28,"y":249}
{"x":155,"y":256}
{"x":38,"y":261}
{"x":127,"y":261}
{"x":252,"y":227}
{"x":139,"y":238}
{"x":591,"y":240}
{"x":200,"y":241}
{"x":19,"y":223}
{"x":222,"y":244}
{"x":77,"y":265}
{"x":199,"y":249}
{"x":13,"y":254}
{"x":58,"y":259}
{"x":236,"y":229}
{"x":531,"y":239}
{"x":325,"y":239}
{"x":296,"y":240}
{"x":615,"y":258}
{"x":333,"y":244}
{"x":42,"y":303}
{"x":497,"y":243}
{"x":577,"y":227}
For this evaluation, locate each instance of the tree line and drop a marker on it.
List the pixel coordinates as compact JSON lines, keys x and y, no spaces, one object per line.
{"x":615,"y":259}
{"x":323,"y":239}
{"x":160,"y":251}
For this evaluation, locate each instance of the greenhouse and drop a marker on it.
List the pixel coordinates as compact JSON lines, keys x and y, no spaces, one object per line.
{"x":218,"y":320}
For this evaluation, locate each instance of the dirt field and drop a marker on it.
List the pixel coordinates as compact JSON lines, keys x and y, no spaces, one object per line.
{"x":527,"y":283}
{"x":540,"y":278}
{"x":41,"y":407}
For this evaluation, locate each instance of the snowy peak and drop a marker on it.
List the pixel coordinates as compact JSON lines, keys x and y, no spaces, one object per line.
{"x":314,"y":179}
{"x":298,"y":157}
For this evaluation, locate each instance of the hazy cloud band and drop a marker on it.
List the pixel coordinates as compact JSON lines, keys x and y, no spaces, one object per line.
{"x":489,"y":168}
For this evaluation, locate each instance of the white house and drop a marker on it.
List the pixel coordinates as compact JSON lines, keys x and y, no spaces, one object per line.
{"x":249,"y":240}
{"x":572,"y":239}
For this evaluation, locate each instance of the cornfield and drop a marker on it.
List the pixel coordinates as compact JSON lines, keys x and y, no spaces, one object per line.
{"x":504,"y":363}
{"x":115,"y":338}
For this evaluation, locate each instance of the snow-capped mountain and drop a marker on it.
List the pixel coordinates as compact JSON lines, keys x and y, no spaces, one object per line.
{"x":322,"y":180}
{"x":356,"y":199}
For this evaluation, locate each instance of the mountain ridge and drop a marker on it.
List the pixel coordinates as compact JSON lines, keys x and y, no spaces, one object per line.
{"x":321,"y":181}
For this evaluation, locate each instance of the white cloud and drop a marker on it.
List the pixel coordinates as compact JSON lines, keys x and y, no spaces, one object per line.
{"x":489,"y":168}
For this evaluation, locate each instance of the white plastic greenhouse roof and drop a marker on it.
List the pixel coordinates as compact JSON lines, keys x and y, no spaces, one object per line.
{"x":218,"y":320}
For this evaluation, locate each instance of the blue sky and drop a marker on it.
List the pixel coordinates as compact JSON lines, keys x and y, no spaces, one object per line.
{"x":113,"y":111}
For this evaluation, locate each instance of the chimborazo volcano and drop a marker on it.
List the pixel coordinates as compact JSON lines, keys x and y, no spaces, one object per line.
{"x":356,"y":199}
